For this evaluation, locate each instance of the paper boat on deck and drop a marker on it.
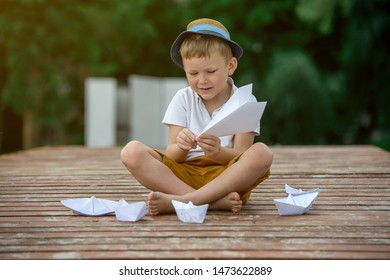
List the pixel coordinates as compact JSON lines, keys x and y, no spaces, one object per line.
{"x":132,"y":212}
{"x":190,"y":213}
{"x":90,"y":206}
{"x":298,"y":202}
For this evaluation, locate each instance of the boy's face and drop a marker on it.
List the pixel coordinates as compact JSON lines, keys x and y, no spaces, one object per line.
{"x":208,"y":76}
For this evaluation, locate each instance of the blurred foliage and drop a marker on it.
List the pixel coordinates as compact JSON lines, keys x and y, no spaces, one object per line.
{"x":322,"y":12}
{"x":365,"y":60}
{"x":322,"y":65}
{"x":49,"y":47}
{"x":301,"y":110}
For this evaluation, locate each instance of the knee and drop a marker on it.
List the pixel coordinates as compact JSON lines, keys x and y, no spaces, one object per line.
{"x":131,"y":154}
{"x":262,"y":156}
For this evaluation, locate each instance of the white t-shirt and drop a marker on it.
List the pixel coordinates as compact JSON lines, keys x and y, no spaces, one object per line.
{"x":186,"y":109}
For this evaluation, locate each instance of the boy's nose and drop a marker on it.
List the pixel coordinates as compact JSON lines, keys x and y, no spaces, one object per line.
{"x":203,"y":79}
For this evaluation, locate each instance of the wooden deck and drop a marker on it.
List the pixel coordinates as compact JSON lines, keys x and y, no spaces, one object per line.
{"x":349,"y":220}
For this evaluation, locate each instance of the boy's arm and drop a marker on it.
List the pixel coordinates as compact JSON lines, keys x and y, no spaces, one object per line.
{"x":179,"y":151}
{"x":212,"y":148}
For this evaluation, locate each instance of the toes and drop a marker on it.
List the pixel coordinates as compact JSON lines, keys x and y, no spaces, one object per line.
{"x":236,"y":202}
{"x":236,"y":207}
{"x":153,"y":210}
{"x":152,"y":204}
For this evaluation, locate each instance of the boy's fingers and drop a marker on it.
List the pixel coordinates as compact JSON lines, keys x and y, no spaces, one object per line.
{"x":190,"y":135}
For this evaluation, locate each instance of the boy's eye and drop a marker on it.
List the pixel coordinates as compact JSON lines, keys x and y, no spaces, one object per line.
{"x":211,"y":71}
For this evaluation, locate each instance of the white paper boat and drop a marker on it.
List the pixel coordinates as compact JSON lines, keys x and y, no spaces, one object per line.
{"x":298,"y":202}
{"x":132,"y":212}
{"x":190,"y":213}
{"x":90,"y":206}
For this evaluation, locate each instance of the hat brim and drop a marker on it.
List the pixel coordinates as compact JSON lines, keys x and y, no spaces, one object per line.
{"x":237,"y":51}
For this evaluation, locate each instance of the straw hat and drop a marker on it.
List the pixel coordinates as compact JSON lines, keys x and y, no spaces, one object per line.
{"x":208,"y":27}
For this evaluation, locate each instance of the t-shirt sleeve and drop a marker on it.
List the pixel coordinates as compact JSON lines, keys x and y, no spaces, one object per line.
{"x":176,"y":113}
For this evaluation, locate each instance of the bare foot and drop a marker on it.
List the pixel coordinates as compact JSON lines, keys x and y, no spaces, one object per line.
{"x":232,"y":202}
{"x":160,"y":203}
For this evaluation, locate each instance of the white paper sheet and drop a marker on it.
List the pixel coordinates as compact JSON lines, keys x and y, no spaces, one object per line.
{"x":190,"y":213}
{"x":130,"y":212}
{"x":90,"y":206}
{"x":297,"y":202}
{"x":238,"y":115}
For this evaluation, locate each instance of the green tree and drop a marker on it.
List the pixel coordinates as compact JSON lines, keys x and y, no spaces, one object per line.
{"x":46,"y":62}
{"x":301,"y":110}
{"x":365,"y":57}
{"x":362,"y":90}
{"x":50,"y":46}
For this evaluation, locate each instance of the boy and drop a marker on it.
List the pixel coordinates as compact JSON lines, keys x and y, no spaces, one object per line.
{"x":200,"y":168}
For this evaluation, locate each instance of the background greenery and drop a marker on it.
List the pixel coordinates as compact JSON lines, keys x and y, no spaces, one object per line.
{"x":322,"y":65}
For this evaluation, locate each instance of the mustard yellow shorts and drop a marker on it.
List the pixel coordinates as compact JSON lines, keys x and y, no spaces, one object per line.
{"x":201,"y":170}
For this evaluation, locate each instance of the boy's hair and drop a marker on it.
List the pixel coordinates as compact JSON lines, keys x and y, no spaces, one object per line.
{"x":200,"y":45}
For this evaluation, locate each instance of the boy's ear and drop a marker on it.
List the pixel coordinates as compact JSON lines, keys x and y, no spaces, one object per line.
{"x":233,"y":63}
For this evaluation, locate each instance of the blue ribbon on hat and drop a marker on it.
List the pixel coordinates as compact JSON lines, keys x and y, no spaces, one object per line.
{"x":209,"y":27}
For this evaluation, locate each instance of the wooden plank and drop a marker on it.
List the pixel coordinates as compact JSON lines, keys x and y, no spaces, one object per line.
{"x":349,"y":220}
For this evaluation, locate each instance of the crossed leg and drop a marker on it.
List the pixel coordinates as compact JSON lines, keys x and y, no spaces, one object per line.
{"x":221,"y":194}
{"x":160,"y":203}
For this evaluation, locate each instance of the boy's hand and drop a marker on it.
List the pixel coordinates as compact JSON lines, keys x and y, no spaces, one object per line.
{"x":210,"y":144}
{"x":186,"y":139}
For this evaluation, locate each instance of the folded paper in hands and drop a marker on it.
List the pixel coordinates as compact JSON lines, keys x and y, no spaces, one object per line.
{"x":298,"y":202}
{"x":238,"y":115}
